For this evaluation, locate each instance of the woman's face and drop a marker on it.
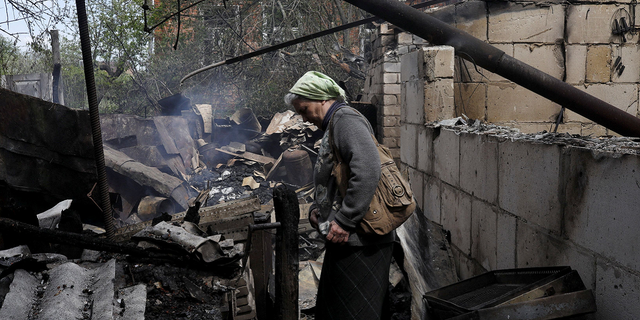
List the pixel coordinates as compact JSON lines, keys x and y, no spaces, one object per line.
{"x":311,"y":111}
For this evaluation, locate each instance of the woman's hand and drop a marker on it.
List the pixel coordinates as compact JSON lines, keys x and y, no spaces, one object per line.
{"x":313,"y":218}
{"x":336,"y":234}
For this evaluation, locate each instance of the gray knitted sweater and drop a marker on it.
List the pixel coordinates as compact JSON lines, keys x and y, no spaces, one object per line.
{"x":352,"y":138}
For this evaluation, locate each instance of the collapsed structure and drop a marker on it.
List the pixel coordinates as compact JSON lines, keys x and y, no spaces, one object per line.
{"x":509,"y":200}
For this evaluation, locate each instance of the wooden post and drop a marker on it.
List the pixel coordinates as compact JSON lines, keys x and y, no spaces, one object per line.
{"x":57,"y":77}
{"x":287,"y":212}
{"x":261,"y":266}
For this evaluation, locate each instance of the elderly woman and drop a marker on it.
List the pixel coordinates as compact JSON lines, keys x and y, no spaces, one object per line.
{"x":355,"y":272}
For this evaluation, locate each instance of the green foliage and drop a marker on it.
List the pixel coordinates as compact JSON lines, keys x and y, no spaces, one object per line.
{"x":15,"y":61}
{"x":135,"y":69}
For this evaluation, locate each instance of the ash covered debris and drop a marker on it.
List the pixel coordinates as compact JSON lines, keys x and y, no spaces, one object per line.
{"x":619,"y":145}
{"x":185,"y":271}
{"x":161,"y":164}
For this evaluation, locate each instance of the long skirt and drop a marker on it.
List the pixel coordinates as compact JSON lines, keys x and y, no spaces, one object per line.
{"x":354,"y":282}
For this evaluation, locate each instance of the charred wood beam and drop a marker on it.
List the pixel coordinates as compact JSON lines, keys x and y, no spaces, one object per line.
{"x":496,"y":61}
{"x":285,"y":203}
{"x":77,"y":240}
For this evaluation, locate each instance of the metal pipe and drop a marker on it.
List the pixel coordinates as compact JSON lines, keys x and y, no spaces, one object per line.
{"x":496,"y":61}
{"x":94,"y":116}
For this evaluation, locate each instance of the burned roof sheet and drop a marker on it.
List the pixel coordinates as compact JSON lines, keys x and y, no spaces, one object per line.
{"x":71,"y":291}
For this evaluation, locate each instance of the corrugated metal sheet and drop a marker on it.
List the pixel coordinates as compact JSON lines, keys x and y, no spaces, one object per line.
{"x":71,"y":291}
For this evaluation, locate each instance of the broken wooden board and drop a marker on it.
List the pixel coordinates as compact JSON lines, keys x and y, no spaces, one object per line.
{"x":208,"y":215}
{"x":206,"y":114}
{"x":167,"y":141}
{"x":247,"y":155}
{"x":277,"y":122}
{"x":164,"y":184}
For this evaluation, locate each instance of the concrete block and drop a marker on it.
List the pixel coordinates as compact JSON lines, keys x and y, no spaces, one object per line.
{"x":617,"y":293}
{"x":390,"y":99}
{"x":483,"y":234}
{"x":386,"y":28}
{"x":506,"y":242}
{"x":536,"y":248}
{"x":416,"y":180}
{"x":590,"y":23}
{"x":446,"y":151}
{"x":391,"y":67}
{"x":510,"y":102}
{"x":471,"y":100}
{"x":404,"y":38}
{"x":391,"y":88}
{"x":390,"y":132}
{"x":425,"y":149}
{"x":598,"y":64}
{"x":413,"y":101}
{"x":622,"y":96}
{"x":570,"y":128}
{"x":391,"y":78}
{"x":456,"y":217}
{"x":408,"y":144}
{"x":412,"y":66}
{"x":432,"y":192}
{"x":438,"y":100}
{"x":603,"y":197}
{"x":391,"y":121}
{"x":395,"y":153}
{"x":547,"y":58}
{"x":592,"y":129}
{"x":479,"y":166}
{"x":391,"y":142}
{"x":529,"y":182}
{"x":468,"y":69}
{"x":514,"y":22}
{"x":471,"y":16}
{"x":438,"y":62}
{"x":392,"y":110}
{"x":630,"y":58}
{"x":402,"y":50}
{"x":576,"y":64}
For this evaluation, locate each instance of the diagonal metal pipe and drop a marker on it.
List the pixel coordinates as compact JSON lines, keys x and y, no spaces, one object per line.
{"x":485,"y":55}
{"x":94,"y":115}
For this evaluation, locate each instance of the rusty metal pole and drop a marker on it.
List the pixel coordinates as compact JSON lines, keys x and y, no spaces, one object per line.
{"x":285,"y":204}
{"x":98,"y":151}
{"x":475,"y":50}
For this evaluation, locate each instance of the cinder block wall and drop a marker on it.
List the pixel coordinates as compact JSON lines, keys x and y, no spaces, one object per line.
{"x":572,"y":42}
{"x":512,"y":203}
{"x":516,"y":202}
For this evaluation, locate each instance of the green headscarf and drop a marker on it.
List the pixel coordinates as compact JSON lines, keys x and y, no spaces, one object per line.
{"x":317,"y":86}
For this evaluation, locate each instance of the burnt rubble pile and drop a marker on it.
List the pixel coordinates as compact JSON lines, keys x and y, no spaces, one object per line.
{"x":163,"y":164}
{"x":190,"y":194}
